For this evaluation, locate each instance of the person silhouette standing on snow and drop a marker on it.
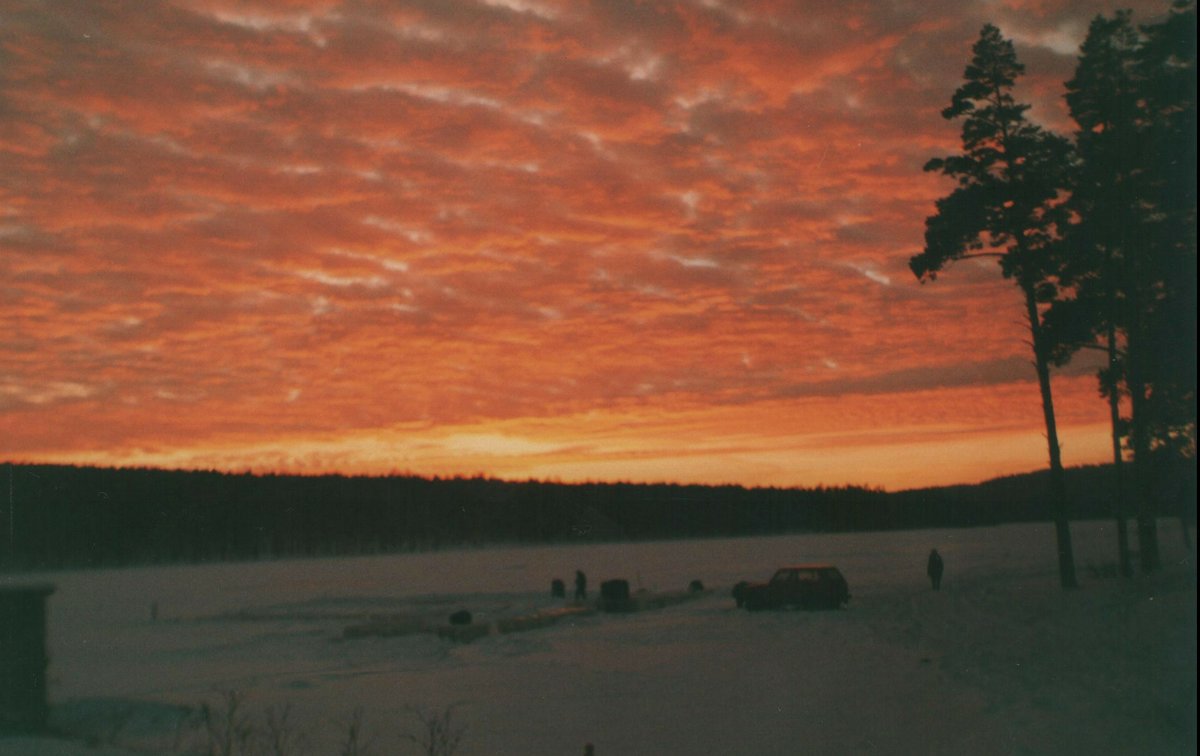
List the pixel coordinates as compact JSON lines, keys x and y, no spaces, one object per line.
{"x":580,"y":585}
{"x":935,"y":568}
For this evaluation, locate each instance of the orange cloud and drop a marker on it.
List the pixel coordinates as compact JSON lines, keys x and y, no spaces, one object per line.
{"x":627,"y":240}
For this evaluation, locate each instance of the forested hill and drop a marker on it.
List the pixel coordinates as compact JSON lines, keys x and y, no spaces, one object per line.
{"x":58,"y":516}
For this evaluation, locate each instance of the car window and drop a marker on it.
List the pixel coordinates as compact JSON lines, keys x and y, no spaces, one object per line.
{"x":791,"y":576}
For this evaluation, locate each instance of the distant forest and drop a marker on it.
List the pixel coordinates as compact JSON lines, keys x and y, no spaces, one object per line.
{"x":69,"y":517}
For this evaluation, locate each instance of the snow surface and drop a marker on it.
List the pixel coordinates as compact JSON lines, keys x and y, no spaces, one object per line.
{"x":1000,"y":661}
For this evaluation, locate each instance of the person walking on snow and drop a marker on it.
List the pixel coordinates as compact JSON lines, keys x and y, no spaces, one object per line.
{"x":935,"y":568}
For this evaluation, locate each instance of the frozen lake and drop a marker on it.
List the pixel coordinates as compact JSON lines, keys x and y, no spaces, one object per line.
{"x":1000,"y":661}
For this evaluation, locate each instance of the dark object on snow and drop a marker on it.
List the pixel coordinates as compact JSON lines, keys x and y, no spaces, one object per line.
{"x":614,"y":590}
{"x":580,"y":585}
{"x":807,"y":586}
{"x":695,"y":586}
{"x":934,"y":569}
{"x":23,"y":659}
{"x":739,"y":593}
{"x":614,"y":596}
{"x":558,"y":589}
{"x":589,"y":750}
{"x":461,"y":617}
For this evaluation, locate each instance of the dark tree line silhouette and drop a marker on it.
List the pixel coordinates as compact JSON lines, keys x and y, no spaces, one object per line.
{"x":1098,"y":233}
{"x":60,"y":517}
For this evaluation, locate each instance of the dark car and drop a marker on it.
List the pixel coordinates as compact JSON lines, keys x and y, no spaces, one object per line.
{"x":807,"y":586}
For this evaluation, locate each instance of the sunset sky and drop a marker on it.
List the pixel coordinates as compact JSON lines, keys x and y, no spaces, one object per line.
{"x":608,"y":240}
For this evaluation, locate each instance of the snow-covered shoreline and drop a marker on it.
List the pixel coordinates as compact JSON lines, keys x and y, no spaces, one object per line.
{"x":1000,"y":661}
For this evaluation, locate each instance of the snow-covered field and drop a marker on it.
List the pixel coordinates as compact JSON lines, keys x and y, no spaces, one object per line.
{"x":1001,"y":661}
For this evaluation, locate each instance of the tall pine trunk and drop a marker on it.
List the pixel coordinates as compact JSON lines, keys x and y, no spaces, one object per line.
{"x":1058,"y":485}
{"x":1139,"y":431}
{"x":1143,"y":475}
{"x":1114,"y":415}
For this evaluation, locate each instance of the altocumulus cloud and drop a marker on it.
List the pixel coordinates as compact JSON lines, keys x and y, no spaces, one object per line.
{"x":243,"y":225}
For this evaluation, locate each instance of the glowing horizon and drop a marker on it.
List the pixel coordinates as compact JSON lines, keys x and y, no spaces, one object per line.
{"x":523,"y":239}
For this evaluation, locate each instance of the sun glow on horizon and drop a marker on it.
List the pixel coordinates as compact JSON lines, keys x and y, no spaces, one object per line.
{"x":794,"y":444}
